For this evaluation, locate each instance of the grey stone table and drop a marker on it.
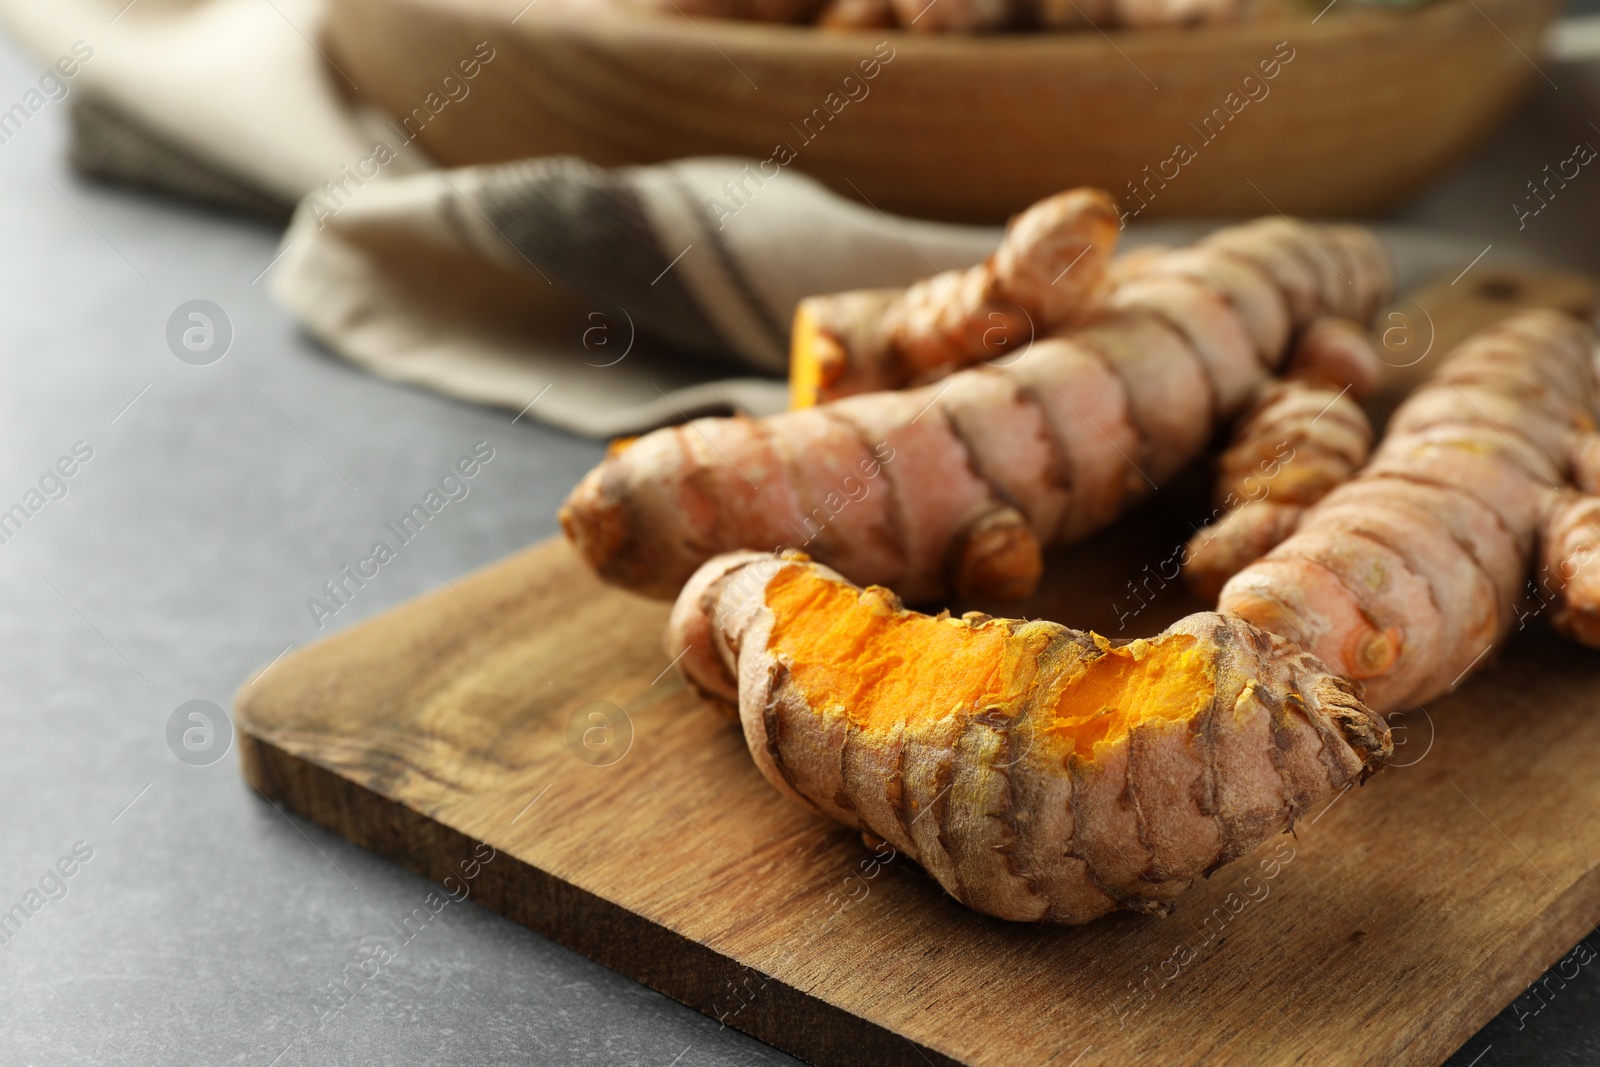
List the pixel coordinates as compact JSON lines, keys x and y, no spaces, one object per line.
{"x":180,"y":918}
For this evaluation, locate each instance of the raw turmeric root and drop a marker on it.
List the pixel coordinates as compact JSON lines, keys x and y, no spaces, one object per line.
{"x":959,"y":16}
{"x":1055,"y":264}
{"x":1035,"y":772}
{"x":790,"y":11}
{"x":1136,"y":14}
{"x":1406,"y":577}
{"x":1046,"y":270}
{"x":857,"y":15}
{"x":1296,"y":444}
{"x":1304,"y":436}
{"x":1337,"y":354}
{"x":1570,"y":570}
{"x":961,"y":484}
{"x":964,"y":16}
{"x":1225,"y":547}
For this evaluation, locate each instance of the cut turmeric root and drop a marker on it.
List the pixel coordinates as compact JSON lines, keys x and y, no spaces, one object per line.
{"x":1406,"y":577}
{"x":961,"y":484}
{"x":1047,"y":270}
{"x":1054,"y":268}
{"x":1035,"y":772}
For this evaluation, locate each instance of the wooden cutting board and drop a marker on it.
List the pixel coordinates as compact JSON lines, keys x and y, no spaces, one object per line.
{"x":529,"y":707}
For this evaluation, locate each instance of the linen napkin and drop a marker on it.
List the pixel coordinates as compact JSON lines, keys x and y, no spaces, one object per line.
{"x":602,"y":301}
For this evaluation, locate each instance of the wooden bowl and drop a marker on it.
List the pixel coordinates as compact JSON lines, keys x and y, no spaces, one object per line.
{"x":1372,"y":105}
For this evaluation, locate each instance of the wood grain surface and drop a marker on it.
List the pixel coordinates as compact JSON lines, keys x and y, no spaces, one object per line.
{"x":530,"y":707}
{"x":1373,"y":104}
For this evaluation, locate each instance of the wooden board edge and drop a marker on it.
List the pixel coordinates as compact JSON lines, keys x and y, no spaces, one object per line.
{"x":685,"y":970}
{"x":1512,"y":968}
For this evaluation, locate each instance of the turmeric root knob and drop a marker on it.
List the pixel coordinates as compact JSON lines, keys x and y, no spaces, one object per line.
{"x":1571,"y":566}
{"x":1231,"y":544}
{"x":1035,"y":772}
{"x":1337,"y":354}
{"x":1303,"y":437}
{"x":596,"y":522}
{"x":1047,"y":270}
{"x":1000,"y":557}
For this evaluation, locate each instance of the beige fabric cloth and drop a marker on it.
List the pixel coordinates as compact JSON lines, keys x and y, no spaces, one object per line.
{"x":236,"y":85}
{"x":609,"y":301}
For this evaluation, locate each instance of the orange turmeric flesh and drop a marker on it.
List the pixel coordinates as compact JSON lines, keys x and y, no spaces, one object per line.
{"x":1168,"y":679}
{"x":807,"y":375}
{"x":880,"y":667}
{"x":848,"y":650}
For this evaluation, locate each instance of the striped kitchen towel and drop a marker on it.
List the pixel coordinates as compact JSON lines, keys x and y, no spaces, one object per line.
{"x":602,"y":301}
